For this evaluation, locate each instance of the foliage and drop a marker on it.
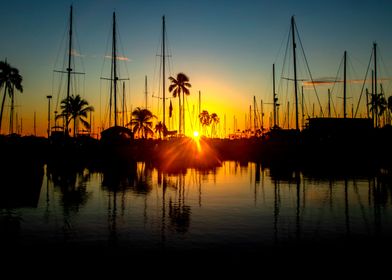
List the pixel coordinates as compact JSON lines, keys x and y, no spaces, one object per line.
{"x":75,"y":108}
{"x":10,"y":79}
{"x":142,"y":122}
{"x":180,"y":85}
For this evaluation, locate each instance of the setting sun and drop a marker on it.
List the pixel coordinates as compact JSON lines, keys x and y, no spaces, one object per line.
{"x":195,"y":134}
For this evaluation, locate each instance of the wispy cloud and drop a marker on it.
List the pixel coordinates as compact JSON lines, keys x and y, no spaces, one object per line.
{"x":76,"y":53}
{"x":331,"y":81}
{"x":122,"y":58}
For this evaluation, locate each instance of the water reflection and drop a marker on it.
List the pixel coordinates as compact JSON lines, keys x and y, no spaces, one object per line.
{"x":71,"y":180}
{"x":20,"y":187}
{"x":239,"y":206}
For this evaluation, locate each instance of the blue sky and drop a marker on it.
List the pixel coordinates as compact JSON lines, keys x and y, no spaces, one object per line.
{"x":227,"y":48}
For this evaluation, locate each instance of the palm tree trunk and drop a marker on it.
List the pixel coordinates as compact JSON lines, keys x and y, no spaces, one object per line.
{"x":74,"y":119}
{"x":12,"y":112}
{"x":2,"y":105}
{"x":179,"y":119}
{"x":183,"y":112}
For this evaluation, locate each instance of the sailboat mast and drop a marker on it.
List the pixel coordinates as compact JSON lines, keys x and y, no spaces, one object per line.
{"x":254,"y":112}
{"x":329,"y":103}
{"x":69,"y":69}
{"x":145,"y":89}
{"x":375,"y":82}
{"x":273,"y":93}
{"x":302,"y":107}
{"x":114,"y":69}
{"x":344,"y":85}
{"x":295,"y":72}
{"x":163,"y":69}
{"x":123,"y":105}
{"x":200,"y":108}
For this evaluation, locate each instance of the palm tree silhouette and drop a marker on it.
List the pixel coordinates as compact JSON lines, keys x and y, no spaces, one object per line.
{"x":159,"y":127}
{"x":142,"y":122}
{"x":205,"y":119}
{"x":10,"y":79}
{"x":77,"y":109}
{"x":378,"y":105}
{"x":214,"y":120}
{"x":389,"y":105}
{"x":181,"y":84}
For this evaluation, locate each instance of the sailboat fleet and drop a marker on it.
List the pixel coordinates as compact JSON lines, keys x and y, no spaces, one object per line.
{"x":320,"y":134}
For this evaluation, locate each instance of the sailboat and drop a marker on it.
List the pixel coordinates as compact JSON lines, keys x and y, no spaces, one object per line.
{"x":59,"y":132}
{"x":115,"y":134}
{"x":341,"y":135}
{"x":281,"y":143}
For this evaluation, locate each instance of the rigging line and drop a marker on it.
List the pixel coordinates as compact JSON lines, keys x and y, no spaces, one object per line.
{"x":281,"y":44}
{"x":79,"y":48}
{"x":352,"y":69}
{"x":169,"y":53}
{"x":189,"y":114}
{"x":108,"y":39}
{"x":307,"y":65}
{"x":384,"y":67}
{"x":100,"y":105}
{"x":60,"y":50}
{"x":59,"y":91}
{"x":335,"y":83}
{"x":123,"y":52}
{"x":363,"y":85}
{"x":280,"y":84}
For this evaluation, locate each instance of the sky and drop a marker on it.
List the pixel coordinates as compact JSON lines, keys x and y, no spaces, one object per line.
{"x":227,"y":49}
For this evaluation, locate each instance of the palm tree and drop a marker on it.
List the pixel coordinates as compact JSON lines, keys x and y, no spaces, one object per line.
{"x":389,"y":107}
{"x":142,"y":122}
{"x":205,"y":119}
{"x":214,"y":120}
{"x":160,"y":128}
{"x":9,"y":79}
{"x":378,"y":105}
{"x":181,"y":84}
{"x":76,"y":108}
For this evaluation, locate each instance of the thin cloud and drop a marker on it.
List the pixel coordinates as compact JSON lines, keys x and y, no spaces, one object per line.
{"x":76,"y":53}
{"x":331,"y":82}
{"x":122,"y":58}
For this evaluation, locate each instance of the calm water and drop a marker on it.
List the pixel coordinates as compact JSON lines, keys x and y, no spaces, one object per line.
{"x":241,"y":208}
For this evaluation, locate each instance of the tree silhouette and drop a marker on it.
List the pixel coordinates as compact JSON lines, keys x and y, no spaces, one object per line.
{"x":178,"y":86}
{"x":77,"y":109}
{"x":214,"y":121}
{"x":378,"y":105}
{"x":10,"y":79}
{"x":142,"y":122}
{"x":159,"y":128}
{"x":389,"y":107}
{"x":205,"y":120}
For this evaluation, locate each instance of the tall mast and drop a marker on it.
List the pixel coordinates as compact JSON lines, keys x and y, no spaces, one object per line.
{"x":344,"y":85}
{"x":273,"y":93}
{"x":114,"y":69}
{"x":295,"y":72}
{"x":163,"y":69}
{"x":123,"y":106}
{"x":302,"y":107}
{"x":329,"y":103}
{"x":262,"y":114}
{"x":35,"y":123}
{"x":375,"y":82}
{"x":200,"y":108}
{"x":254,"y":112}
{"x":69,"y":69}
{"x":145,"y":89}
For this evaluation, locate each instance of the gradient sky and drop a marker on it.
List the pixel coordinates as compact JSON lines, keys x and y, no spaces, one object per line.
{"x":227,"y":48}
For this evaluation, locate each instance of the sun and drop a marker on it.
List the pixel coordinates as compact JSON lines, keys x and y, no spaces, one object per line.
{"x":196,"y":134}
